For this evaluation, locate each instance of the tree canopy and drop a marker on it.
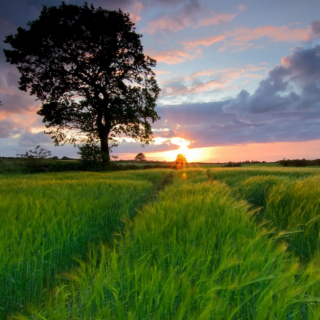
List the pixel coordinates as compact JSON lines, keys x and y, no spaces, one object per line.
{"x":140,"y":157}
{"x":88,"y":68}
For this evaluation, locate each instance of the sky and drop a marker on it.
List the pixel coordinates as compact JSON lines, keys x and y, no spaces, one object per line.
{"x":240,"y":80}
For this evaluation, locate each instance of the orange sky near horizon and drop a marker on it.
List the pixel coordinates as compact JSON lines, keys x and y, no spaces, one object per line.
{"x":269,"y":152}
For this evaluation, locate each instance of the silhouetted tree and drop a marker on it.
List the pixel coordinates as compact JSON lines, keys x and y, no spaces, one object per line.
{"x":88,"y":68}
{"x":140,"y":157}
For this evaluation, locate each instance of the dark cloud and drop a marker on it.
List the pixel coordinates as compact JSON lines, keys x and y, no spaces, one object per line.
{"x":315,"y":26}
{"x":31,"y":140}
{"x":12,"y":78}
{"x":8,"y":128}
{"x":17,"y":104}
{"x":295,"y":86}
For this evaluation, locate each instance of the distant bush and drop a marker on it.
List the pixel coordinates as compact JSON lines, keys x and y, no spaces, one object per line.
{"x":299,"y":163}
{"x":65,"y":158}
{"x":232,"y":164}
{"x":35,"y":158}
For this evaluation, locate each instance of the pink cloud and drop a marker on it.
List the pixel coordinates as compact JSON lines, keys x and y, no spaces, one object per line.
{"x":217,"y":19}
{"x":167,"y":22}
{"x":224,"y":48}
{"x":220,"y":79}
{"x":240,"y":38}
{"x":188,"y":18}
{"x":161,"y":72}
{"x":242,"y":7}
{"x":282,"y":33}
{"x":285,"y":61}
{"x":208,"y":41}
{"x":135,"y":15}
{"x":172,"y":56}
{"x":207,"y":72}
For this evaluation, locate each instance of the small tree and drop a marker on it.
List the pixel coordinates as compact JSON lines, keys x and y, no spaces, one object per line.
{"x":181,"y":159}
{"x":140,"y":157}
{"x":37,"y":153}
{"x":36,"y":157}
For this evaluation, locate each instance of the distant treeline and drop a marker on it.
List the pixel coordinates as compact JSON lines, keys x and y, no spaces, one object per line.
{"x":232,"y":164}
{"x":299,"y":163}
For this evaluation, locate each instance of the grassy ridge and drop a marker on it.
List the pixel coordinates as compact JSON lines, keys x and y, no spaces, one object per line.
{"x":193,"y":254}
{"x":288,"y":197}
{"x":47,"y":219}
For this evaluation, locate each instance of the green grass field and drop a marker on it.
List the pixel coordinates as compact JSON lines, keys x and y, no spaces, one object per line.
{"x":214,"y":243}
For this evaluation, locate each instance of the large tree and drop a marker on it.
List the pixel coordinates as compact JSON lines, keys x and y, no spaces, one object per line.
{"x":88,"y":68}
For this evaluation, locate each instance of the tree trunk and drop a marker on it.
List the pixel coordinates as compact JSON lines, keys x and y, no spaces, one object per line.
{"x":105,"y":150}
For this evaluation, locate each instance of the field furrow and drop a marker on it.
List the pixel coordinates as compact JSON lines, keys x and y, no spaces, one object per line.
{"x":289,"y":198}
{"x":195,"y":253}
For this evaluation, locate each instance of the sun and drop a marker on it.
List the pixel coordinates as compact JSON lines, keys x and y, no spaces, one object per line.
{"x":190,"y":154}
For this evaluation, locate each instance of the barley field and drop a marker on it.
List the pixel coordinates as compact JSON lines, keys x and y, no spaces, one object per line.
{"x":201,"y":243}
{"x":48,"y":222}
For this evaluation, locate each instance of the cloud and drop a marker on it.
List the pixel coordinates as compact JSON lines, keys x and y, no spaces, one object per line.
{"x":294,"y":86}
{"x":135,"y":14}
{"x":315,"y":26}
{"x":208,"y":80}
{"x":208,"y":125}
{"x":217,"y":18}
{"x":241,"y":38}
{"x":185,"y":17}
{"x":17,"y":104}
{"x":161,"y":72}
{"x":172,"y":56}
{"x":8,"y":128}
{"x":207,"y":41}
{"x":283,"y":33}
{"x":31,"y":140}
{"x":242,"y":7}
{"x":284,"y":108}
{"x":135,"y":147}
